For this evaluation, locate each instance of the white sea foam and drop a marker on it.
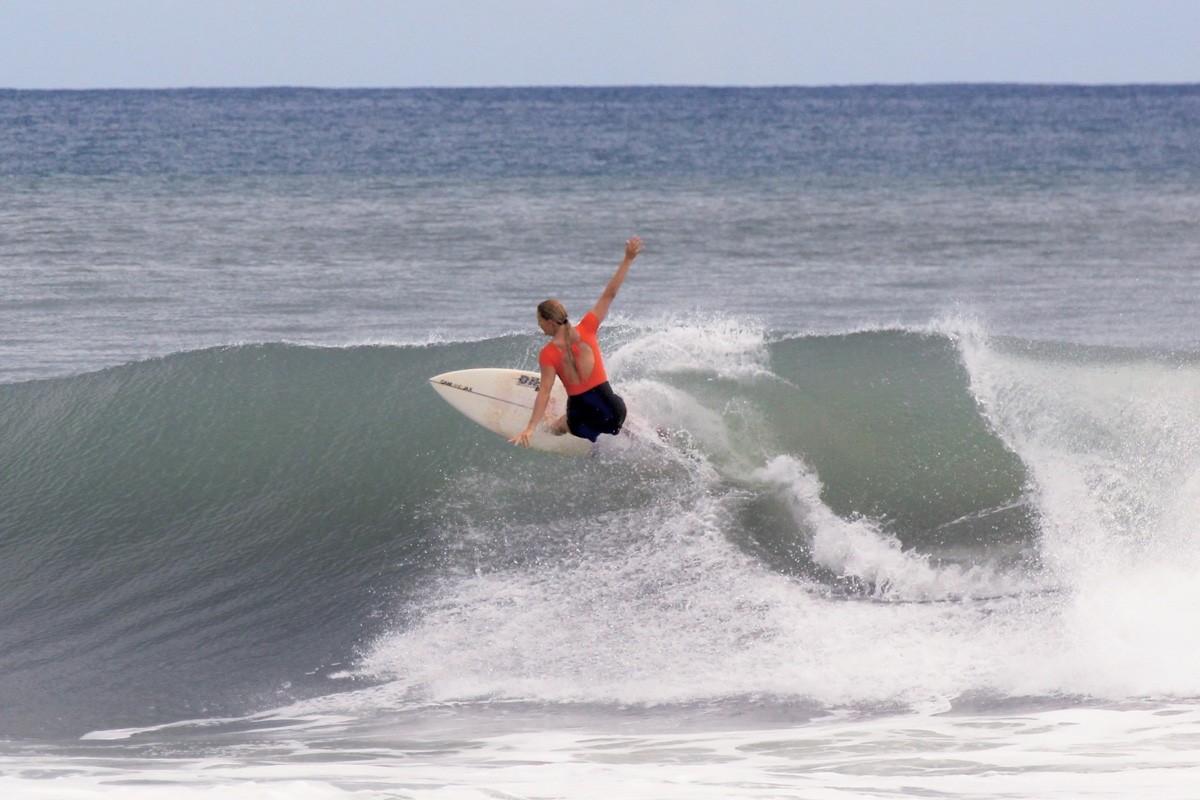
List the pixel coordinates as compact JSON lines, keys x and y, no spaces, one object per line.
{"x":662,"y":607}
{"x":1089,"y":752}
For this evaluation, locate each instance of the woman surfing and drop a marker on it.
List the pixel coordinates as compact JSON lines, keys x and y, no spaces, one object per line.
{"x":573,"y":355}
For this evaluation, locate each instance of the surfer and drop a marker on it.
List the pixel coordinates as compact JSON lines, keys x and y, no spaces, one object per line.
{"x":573,"y":354}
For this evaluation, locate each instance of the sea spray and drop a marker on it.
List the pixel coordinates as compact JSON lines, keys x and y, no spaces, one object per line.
{"x":661,"y":575}
{"x":1112,"y":443}
{"x":863,"y":557}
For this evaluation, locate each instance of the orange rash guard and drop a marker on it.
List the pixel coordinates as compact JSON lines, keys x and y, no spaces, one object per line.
{"x":551,"y":356}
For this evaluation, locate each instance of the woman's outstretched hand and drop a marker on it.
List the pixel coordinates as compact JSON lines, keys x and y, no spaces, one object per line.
{"x":522,"y":438}
{"x":632,"y":247}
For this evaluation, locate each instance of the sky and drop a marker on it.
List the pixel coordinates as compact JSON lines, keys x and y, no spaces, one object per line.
{"x":84,"y":44}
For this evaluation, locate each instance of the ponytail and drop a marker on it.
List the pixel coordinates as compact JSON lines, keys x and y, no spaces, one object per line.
{"x":554,"y":311}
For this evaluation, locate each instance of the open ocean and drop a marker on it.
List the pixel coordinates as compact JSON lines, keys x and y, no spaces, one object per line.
{"x":926,"y":522}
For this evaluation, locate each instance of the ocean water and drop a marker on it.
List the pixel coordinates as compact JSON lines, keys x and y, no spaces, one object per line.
{"x":923,"y":522}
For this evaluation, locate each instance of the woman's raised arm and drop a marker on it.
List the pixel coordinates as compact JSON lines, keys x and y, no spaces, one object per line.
{"x":632,"y":248}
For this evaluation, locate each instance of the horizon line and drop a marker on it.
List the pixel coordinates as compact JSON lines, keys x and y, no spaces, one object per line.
{"x":606,"y":86}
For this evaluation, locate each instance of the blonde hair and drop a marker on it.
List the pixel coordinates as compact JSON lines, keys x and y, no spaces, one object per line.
{"x":556,"y":312}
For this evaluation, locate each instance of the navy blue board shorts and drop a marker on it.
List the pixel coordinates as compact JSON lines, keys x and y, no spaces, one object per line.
{"x":596,"y":411}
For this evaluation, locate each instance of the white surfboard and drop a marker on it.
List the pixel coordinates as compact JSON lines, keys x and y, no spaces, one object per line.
{"x":501,"y":400}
